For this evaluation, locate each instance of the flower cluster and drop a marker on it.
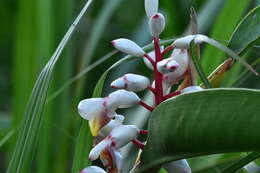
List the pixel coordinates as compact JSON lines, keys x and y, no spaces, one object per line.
{"x":107,"y":126}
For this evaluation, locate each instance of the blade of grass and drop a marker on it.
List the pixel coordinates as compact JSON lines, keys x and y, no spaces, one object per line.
{"x":7,"y":137}
{"x":32,"y":120}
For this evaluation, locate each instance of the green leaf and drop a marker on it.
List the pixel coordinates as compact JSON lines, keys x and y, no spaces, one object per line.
{"x":242,"y":162}
{"x":247,"y":31}
{"x":29,"y":131}
{"x":201,"y":123}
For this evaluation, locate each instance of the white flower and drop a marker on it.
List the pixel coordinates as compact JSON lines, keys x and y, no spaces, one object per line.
{"x":112,"y":159}
{"x":182,"y":58}
{"x":184,"y":42}
{"x":156,"y":24}
{"x":131,"y":82}
{"x":119,"y":137}
{"x":93,"y":169}
{"x":179,"y":166}
{"x":191,"y":89}
{"x":123,"y":99}
{"x":167,"y":65}
{"x":129,"y":47}
{"x":151,"y":7}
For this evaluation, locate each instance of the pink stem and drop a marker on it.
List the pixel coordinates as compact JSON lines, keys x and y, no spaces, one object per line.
{"x":150,"y":108}
{"x":158,"y":77}
{"x":167,"y":49}
{"x":175,"y":93}
{"x":143,"y":132}
{"x":152,"y":89}
{"x":150,"y":59}
{"x":138,"y":143}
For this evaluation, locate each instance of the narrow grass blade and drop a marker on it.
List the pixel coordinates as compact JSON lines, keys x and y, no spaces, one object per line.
{"x":241,"y":163}
{"x":7,"y":137}
{"x":32,"y":120}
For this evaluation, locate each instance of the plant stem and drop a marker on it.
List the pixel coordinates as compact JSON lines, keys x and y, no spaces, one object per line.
{"x":158,"y":77}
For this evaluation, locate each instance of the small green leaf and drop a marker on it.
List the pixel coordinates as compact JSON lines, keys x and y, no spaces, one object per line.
{"x":201,"y":123}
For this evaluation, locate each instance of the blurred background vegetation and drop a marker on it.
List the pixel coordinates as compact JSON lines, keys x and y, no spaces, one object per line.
{"x":30,"y":32}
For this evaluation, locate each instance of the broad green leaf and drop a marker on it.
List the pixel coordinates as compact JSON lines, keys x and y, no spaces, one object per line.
{"x":201,"y":123}
{"x":31,"y":123}
{"x":247,"y":31}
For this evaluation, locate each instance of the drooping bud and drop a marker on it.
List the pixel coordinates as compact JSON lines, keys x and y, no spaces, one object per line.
{"x":129,"y":47}
{"x":182,"y":58}
{"x":151,"y":7}
{"x":131,"y":82}
{"x":167,"y":65}
{"x":93,"y":169}
{"x":156,"y":24}
{"x":152,"y":55}
{"x":179,"y":166}
{"x":104,"y":132}
{"x":119,"y":137}
{"x":191,"y":89}
{"x":184,"y":42}
{"x":123,"y":99}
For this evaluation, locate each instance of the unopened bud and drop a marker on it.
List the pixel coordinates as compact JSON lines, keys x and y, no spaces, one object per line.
{"x":129,"y":47}
{"x":184,"y":42}
{"x":151,"y":7}
{"x":167,"y":65}
{"x":156,"y":24}
{"x":179,"y":166}
{"x":131,"y":82}
{"x":92,"y":169}
{"x":191,"y":89}
{"x":123,"y":99}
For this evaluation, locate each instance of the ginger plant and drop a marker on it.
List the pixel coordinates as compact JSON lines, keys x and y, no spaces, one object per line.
{"x":107,"y":126}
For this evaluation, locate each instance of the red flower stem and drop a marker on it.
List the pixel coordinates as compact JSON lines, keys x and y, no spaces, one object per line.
{"x":149,"y":108}
{"x":175,"y":93}
{"x":158,"y":77}
{"x":167,"y":49}
{"x":143,"y":132}
{"x":151,"y":89}
{"x":150,"y":59}
{"x":138,"y":143}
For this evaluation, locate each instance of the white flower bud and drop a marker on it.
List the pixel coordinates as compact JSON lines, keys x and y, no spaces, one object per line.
{"x":123,"y":99}
{"x":152,"y":55}
{"x":96,"y":151}
{"x":129,"y":47}
{"x":184,"y":42}
{"x":182,"y":58}
{"x":191,"y":89}
{"x":167,"y":65}
{"x":104,"y":132}
{"x":123,"y":134}
{"x":156,"y":24}
{"x":131,"y":82}
{"x":151,"y":7}
{"x":94,"y":107}
{"x":93,"y":169}
{"x":179,"y":166}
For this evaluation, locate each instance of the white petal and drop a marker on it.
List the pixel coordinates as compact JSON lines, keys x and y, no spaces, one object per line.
{"x":131,"y":82}
{"x":182,"y":58}
{"x":118,"y":159}
{"x":93,"y":169}
{"x":90,"y":108}
{"x":95,"y":152}
{"x":123,"y":99}
{"x":179,"y":166}
{"x":191,"y":89}
{"x":156,"y":24}
{"x":104,"y":132}
{"x":183,"y":42}
{"x":129,"y":47}
{"x":123,"y":134}
{"x":151,"y":7}
{"x":167,"y":65}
